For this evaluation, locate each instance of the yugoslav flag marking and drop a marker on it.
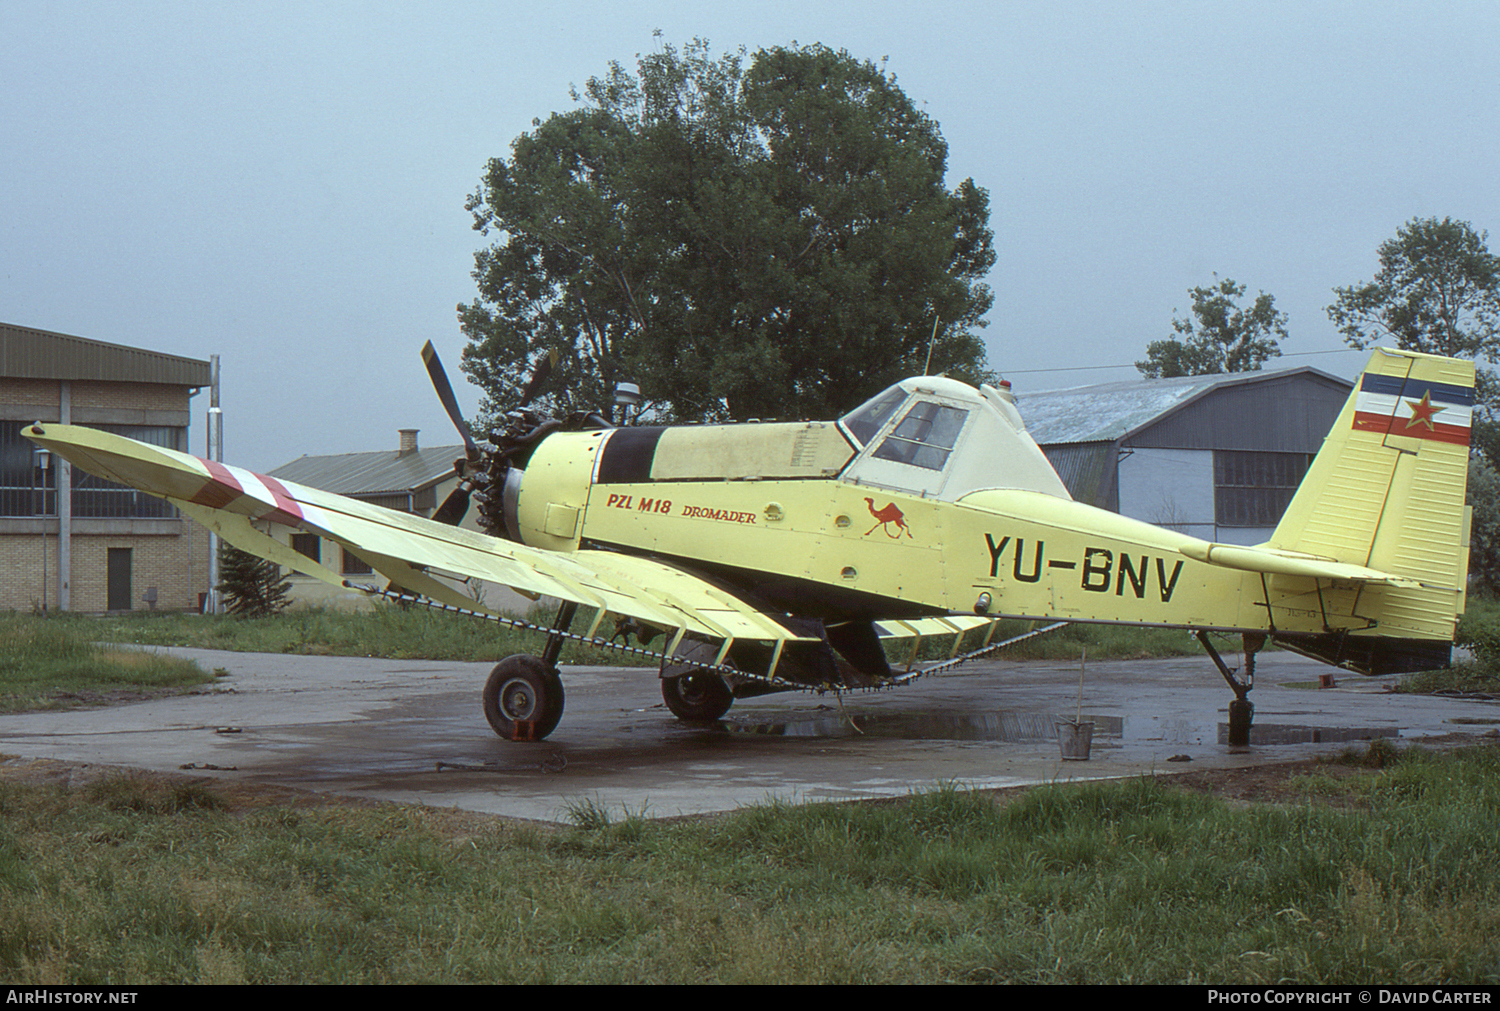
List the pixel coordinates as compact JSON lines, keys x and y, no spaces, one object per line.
{"x":1390,"y":405}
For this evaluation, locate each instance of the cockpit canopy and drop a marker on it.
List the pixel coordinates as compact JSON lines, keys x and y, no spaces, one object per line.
{"x":938,"y":437}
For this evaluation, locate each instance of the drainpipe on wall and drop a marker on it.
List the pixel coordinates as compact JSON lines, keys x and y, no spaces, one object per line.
{"x":215,"y":435}
{"x":64,"y":493}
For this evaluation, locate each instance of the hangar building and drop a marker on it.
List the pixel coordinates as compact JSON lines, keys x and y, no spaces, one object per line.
{"x":1217,"y":457}
{"x":71,"y":541}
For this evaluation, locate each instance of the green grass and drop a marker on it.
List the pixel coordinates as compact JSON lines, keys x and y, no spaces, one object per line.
{"x":51,"y":663}
{"x":390,"y":631}
{"x":133,"y":882}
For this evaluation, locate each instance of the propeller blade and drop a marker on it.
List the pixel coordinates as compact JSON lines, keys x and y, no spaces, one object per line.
{"x":538,"y":377}
{"x":454,"y":507}
{"x":445,"y":394}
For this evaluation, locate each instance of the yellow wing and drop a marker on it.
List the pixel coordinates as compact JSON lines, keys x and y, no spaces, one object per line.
{"x":229,"y":500}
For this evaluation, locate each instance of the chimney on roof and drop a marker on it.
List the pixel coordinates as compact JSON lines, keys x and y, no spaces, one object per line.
{"x":408,"y":441}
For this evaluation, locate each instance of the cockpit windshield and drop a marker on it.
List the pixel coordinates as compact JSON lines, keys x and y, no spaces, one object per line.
{"x":865,"y":420}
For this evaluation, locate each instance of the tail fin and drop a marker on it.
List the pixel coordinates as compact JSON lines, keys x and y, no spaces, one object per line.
{"x":1387,"y":491}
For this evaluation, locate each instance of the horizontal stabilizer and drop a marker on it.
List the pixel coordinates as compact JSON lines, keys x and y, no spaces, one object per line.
{"x":1281,"y":563}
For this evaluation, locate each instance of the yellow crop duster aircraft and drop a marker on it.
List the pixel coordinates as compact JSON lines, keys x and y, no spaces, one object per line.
{"x":776,"y":556}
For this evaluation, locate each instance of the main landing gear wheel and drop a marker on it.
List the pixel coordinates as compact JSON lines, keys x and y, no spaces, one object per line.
{"x":698,"y":696}
{"x":523,"y":700}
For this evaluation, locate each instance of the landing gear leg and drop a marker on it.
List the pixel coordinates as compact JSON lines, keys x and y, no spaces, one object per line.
{"x":523,"y":698}
{"x":554,"y":641}
{"x":1241,"y":710}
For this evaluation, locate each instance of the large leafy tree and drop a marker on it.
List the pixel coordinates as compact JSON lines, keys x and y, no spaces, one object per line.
{"x":1221,"y":335}
{"x":761,"y":238}
{"x":1438,"y":291}
{"x":1484,"y":533}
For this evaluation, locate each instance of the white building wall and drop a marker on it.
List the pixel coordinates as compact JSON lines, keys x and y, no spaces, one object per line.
{"x":1175,"y":488}
{"x":1171,"y":488}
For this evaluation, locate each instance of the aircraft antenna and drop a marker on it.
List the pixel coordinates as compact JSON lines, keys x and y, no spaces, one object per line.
{"x":927,"y":365}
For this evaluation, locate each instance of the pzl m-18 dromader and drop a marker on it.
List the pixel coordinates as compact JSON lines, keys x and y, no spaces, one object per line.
{"x":766,"y":557}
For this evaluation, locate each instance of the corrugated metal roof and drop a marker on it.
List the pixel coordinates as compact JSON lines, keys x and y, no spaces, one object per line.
{"x":1284,"y":414}
{"x":1109,"y":412}
{"x":1088,"y":471}
{"x":383,"y":473}
{"x":27,"y":353}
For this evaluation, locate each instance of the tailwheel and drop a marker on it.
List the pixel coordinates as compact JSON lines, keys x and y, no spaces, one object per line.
{"x":699,"y":696}
{"x":523,"y":699}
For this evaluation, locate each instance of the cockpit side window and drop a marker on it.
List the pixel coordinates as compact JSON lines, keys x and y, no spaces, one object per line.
{"x":866,"y":420}
{"x":925,"y":437}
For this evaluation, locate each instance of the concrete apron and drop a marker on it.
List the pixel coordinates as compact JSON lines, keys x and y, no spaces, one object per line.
{"x":412,"y":731}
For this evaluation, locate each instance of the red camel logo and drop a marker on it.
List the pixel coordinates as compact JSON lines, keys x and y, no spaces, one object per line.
{"x":887,"y":514}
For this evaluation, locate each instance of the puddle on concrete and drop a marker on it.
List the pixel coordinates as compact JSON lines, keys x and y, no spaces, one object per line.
{"x":1024,"y":728}
{"x":1001,"y":726}
{"x":1291,"y":733}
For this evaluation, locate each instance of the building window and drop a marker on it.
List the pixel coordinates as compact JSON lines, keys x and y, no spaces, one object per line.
{"x":21,"y":481}
{"x":24,"y":489}
{"x":309,"y":545}
{"x":96,"y":498}
{"x":353,"y":566}
{"x":1254,"y":489}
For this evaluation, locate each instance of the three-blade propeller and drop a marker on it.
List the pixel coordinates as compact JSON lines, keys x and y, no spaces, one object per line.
{"x":439,"y":378}
{"x":474,"y":469}
{"x":456,"y":505}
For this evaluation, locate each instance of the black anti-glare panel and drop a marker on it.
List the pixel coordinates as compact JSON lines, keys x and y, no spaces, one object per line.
{"x":628,"y":455}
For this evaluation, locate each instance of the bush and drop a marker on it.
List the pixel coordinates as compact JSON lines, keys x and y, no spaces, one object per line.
{"x":252,"y":587}
{"x":1484,"y":534}
{"x":1479,"y":632}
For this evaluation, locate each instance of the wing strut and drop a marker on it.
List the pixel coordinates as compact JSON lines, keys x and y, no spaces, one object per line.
{"x":982,"y":651}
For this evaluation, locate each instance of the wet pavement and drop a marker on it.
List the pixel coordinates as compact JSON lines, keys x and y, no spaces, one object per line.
{"x":412,"y":731}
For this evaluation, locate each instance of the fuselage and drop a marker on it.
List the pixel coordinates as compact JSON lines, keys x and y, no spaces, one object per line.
{"x":931,"y":500}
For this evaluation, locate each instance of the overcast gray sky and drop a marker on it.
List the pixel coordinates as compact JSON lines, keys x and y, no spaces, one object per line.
{"x":282,"y":184}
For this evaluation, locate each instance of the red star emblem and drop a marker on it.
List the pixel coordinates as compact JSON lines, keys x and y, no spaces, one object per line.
{"x":1422,"y":412}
